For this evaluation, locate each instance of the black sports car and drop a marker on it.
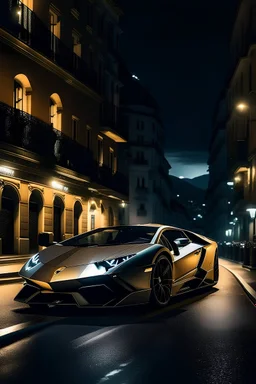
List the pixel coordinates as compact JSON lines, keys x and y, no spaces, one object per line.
{"x":122,"y":265}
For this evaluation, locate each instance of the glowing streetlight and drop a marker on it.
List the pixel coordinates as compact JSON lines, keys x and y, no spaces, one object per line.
{"x":237,"y":179}
{"x":242,"y":107}
{"x":252,"y":212}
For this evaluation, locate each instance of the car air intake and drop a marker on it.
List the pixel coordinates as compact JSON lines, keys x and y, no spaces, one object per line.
{"x":97,"y":295}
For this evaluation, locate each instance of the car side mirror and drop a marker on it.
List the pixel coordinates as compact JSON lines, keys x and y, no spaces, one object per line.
{"x":45,"y":239}
{"x":182,"y":242}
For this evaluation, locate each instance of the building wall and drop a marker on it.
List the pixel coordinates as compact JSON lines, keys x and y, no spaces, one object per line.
{"x":29,"y":201}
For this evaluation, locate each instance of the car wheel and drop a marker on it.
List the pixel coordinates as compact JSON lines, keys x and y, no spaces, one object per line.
{"x":161,"y":282}
{"x":216,"y":269}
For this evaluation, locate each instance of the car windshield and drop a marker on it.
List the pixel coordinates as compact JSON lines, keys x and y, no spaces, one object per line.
{"x":112,"y":236}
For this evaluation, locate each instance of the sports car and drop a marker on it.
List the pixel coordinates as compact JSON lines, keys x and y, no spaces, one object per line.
{"x":119,"y":266}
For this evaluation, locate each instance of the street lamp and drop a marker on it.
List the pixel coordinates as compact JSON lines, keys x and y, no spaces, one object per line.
{"x":242,"y":107}
{"x":252,"y":212}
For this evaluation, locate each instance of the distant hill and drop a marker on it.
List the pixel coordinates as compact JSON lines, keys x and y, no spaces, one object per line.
{"x":186,"y":190}
{"x":199,"y":182}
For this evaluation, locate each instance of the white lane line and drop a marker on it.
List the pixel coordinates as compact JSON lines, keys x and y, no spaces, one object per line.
{"x":94,"y":336}
{"x":14,"y":328}
{"x":246,"y":286}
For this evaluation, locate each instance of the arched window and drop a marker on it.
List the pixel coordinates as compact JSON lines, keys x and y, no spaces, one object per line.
{"x":56,"y":111}
{"x":22,"y":93}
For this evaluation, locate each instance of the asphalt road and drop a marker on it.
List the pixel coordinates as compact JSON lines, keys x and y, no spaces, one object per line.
{"x":208,"y":338}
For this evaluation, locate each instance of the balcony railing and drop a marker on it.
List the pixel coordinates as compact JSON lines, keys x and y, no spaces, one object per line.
{"x":23,"y":24}
{"x":55,"y":148}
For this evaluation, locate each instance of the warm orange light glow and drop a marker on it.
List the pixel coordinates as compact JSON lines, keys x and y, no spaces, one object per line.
{"x":241,"y":107}
{"x":114,"y":136}
{"x":237,"y":179}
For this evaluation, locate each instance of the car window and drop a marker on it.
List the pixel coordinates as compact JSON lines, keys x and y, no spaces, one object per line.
{"x":173,"y":234}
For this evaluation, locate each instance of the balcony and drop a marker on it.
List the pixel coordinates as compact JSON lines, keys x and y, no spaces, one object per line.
{"x":23,"y":24}
{"x":55,"y":148}
{"x":109,"y":122}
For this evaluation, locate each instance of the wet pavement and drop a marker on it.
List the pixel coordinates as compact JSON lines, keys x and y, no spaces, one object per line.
{"x":205,"y":338}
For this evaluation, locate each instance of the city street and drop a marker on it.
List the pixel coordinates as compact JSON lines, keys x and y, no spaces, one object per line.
{"x":205,"y":338}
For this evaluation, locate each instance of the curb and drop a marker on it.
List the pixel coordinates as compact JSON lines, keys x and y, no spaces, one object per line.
{"x":23,"y":333}
{"x":246,"y":287}
{"x":10,"y":278}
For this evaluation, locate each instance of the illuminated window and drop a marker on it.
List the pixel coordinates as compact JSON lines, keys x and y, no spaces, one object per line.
{"x":56,"y":111}
{"x":24,"y":15}
{"x":22,"y":93}
{"x":77,"y":48}
{"x":27,"y":3}
{"x":55,"y":29}
{"x":18,"y":95}
{"x":75,"y":126}
{"x":100,"y":150}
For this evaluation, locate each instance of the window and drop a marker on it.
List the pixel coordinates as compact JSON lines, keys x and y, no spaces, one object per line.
{"x":111,"y":160}
{"x":22,"y":93}
{"x":24,"y":14}
{"x":173,"y":235}
{"x":55,"y":111}
{"x":18,"y":95}
{"x":140,"y":139}
{"x":100,"y":150}
{"x":27,"y":3}
{"x":75,"y":126}
{"x":88,"y":136}
{"x":55,"y":29}
{"x":140,"y":125}
{"x":77,"y":47}
{"x":141,"y":182}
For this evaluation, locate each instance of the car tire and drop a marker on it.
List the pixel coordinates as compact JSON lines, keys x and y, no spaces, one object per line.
{"x":216,"y":268}
{"x":161,"y":282}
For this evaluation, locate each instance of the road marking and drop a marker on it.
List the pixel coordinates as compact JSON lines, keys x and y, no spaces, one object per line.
{"x":94,"y":336}
{"x":14,"y":328}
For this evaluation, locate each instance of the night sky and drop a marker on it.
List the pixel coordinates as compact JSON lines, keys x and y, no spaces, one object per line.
{"x":179,"y":50}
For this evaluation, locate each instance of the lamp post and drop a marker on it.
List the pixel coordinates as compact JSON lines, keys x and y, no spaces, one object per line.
{"x":252,"y":212}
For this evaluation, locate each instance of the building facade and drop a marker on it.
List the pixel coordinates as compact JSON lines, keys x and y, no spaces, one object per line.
{"x":219,"y":214}
{"x":150,"y":189}
{"x":241,"y":122}
{"x":59,"y":103}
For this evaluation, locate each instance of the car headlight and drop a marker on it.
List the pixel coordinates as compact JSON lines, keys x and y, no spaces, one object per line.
{"x":98,"y":269}
{"x":32,"y":262}
{"x":115,"y":262}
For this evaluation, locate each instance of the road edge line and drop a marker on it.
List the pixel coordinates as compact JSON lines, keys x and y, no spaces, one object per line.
{"x":246,"y":287}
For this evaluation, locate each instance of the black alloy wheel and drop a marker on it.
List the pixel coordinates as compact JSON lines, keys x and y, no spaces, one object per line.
{"x":161,"y":282}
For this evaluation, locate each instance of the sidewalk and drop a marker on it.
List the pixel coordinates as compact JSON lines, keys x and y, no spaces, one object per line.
{"x":246,"y":277}
{"x":10,"y":265}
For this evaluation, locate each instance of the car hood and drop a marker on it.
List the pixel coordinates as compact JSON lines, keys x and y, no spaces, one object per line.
{"x":74,"y":256}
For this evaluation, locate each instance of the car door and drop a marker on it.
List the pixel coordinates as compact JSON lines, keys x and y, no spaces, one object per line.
{"x":189,"y":255}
